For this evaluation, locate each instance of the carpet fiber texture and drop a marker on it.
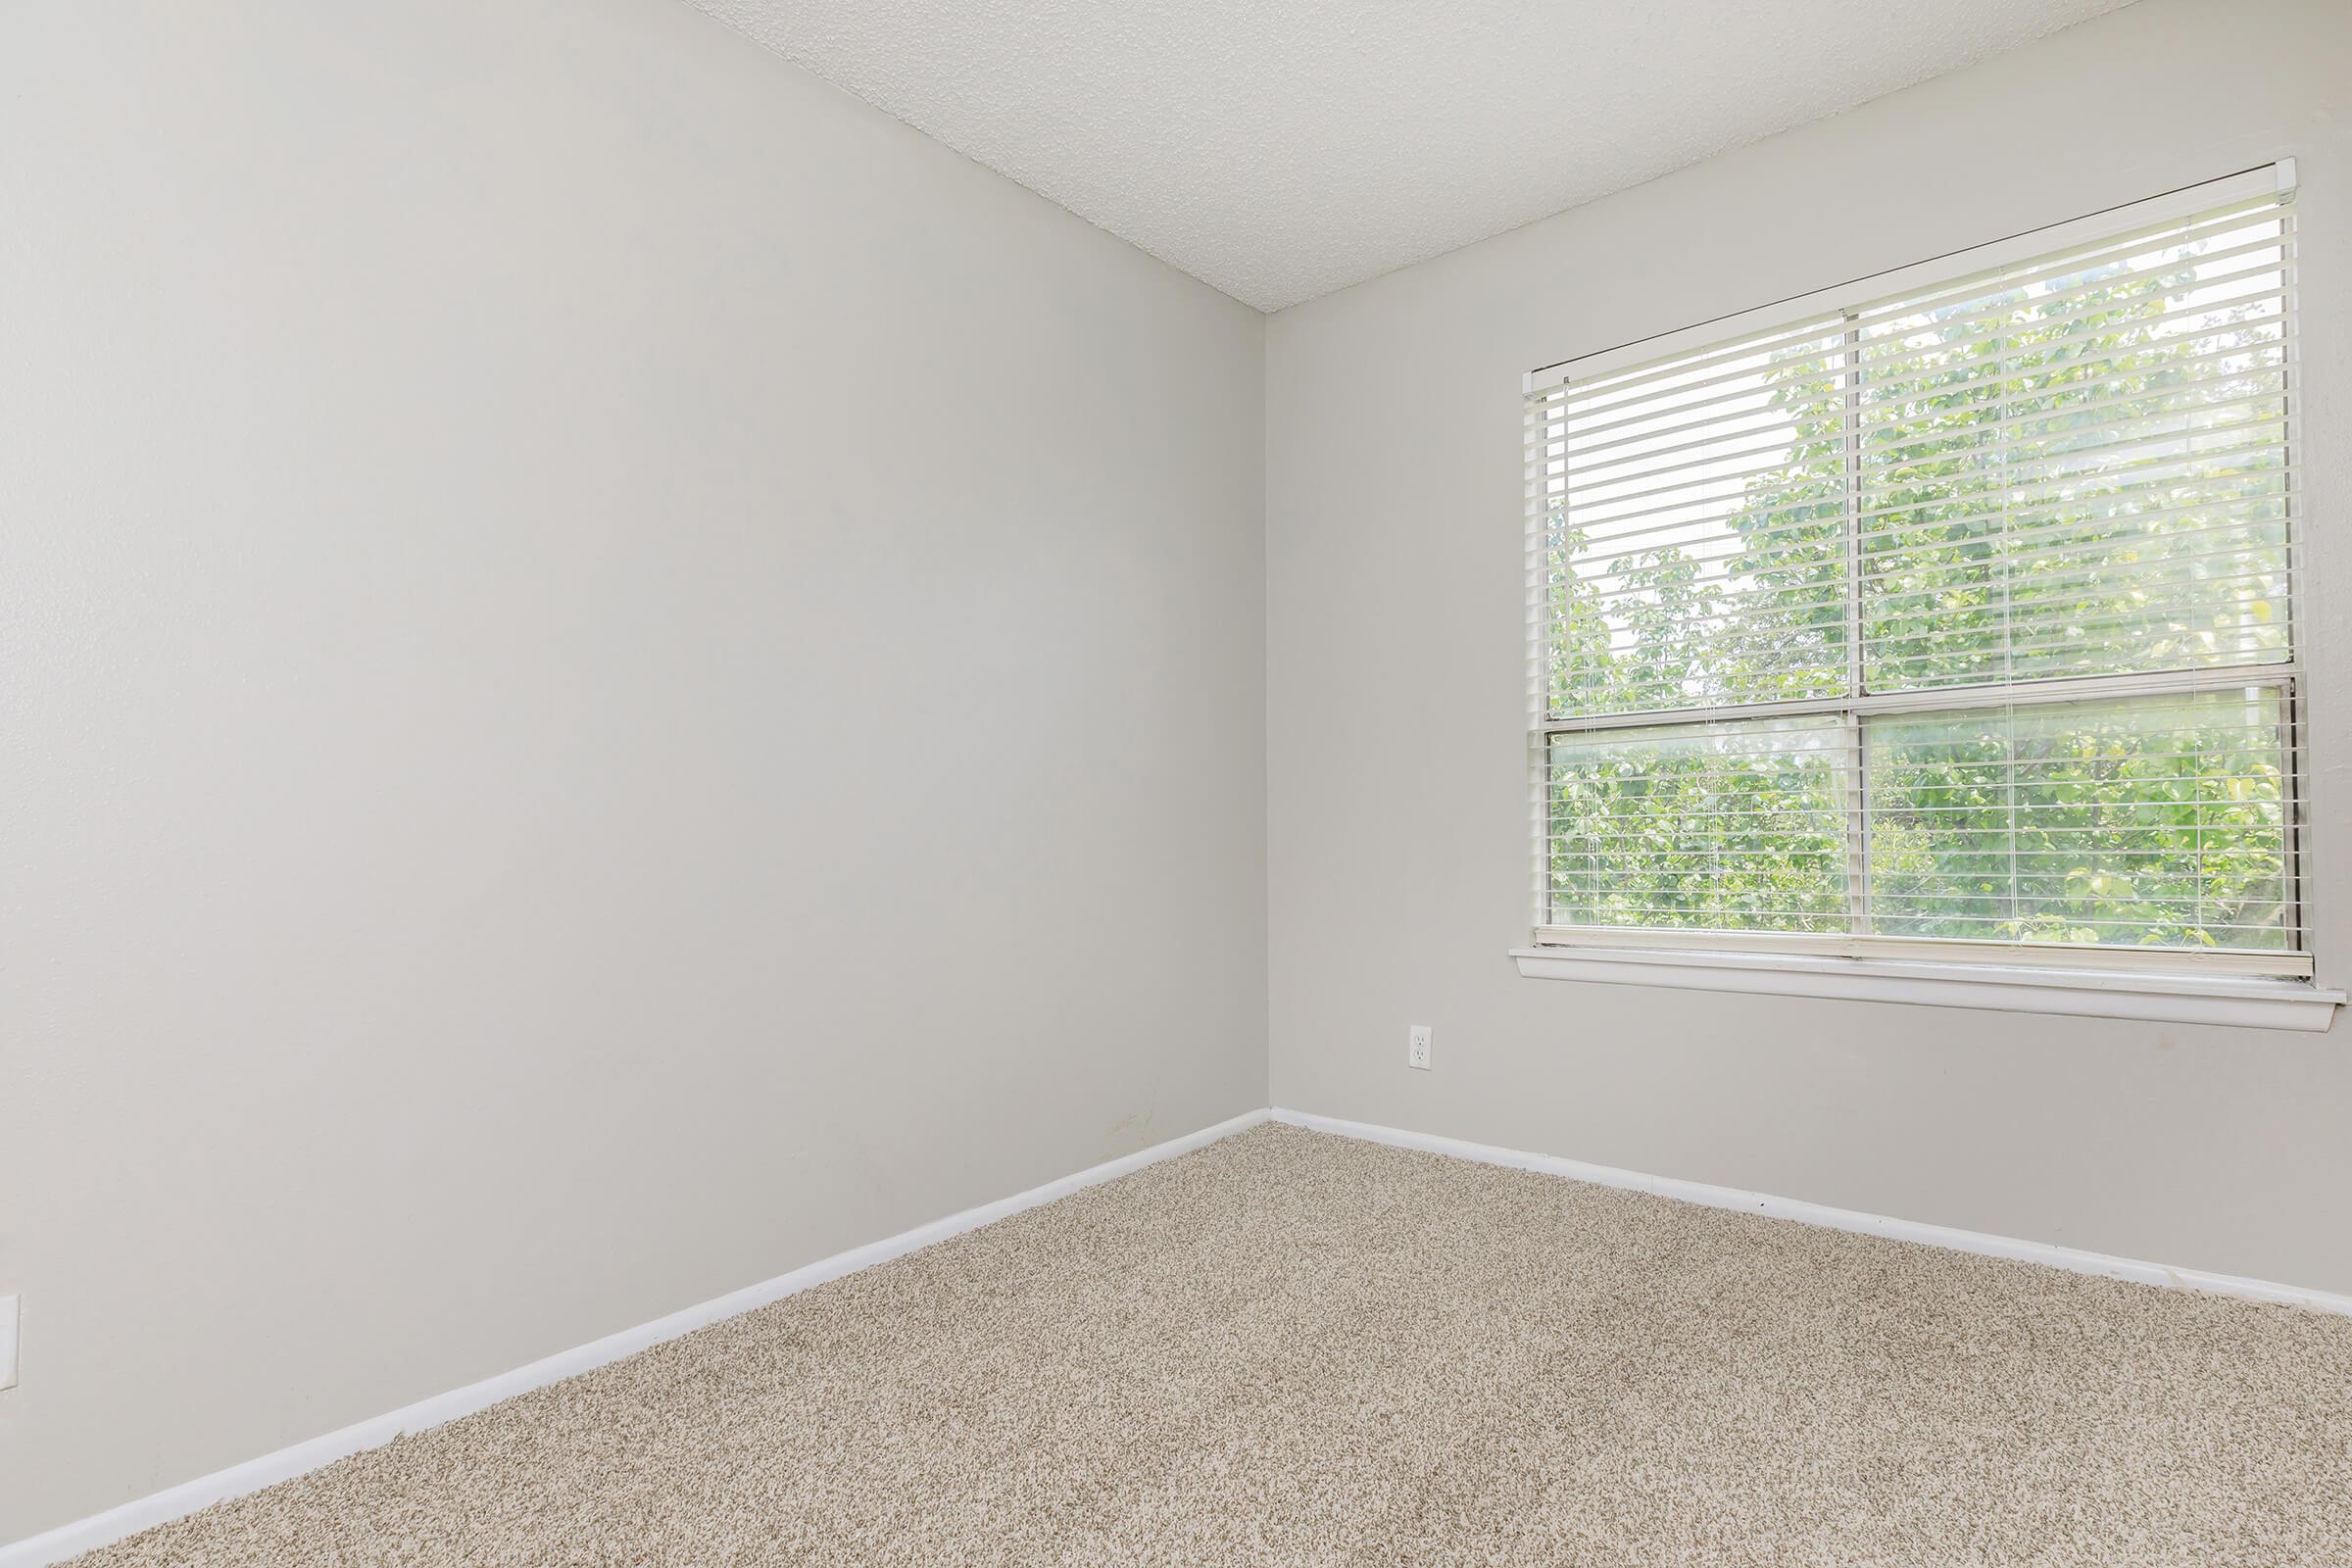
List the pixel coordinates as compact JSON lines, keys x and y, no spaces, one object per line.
{"x":1296,"y":1348}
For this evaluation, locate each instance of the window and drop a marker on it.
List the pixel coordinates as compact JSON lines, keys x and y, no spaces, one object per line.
{"x":1957,"y":622}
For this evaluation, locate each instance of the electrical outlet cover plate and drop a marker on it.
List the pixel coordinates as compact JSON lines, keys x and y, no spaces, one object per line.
{"x":1416,"y":1047}
{"x":8,"y":1341}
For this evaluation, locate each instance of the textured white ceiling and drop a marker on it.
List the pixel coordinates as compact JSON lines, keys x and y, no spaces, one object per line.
{"x":1281,"y":149}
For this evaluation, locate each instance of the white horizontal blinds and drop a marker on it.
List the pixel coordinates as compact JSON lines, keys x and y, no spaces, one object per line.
{"x":1696,"y":549}
{"x":2148,"y":820}
{"x":2082,"y":467}
{"x":1722,"y":827}
{"x":1962,"y":619}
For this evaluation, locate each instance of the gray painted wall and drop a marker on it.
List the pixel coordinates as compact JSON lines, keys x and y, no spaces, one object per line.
{"x":605,"y":652}
{"x":1400,"y":861}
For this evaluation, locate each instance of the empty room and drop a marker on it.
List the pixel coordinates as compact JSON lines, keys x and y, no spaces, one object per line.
{"x":914,"y":782}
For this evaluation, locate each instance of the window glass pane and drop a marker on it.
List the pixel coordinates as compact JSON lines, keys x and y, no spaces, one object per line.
{"x":2084,"y":472}
{"x":2062,"y":479}
{"x":2159,"y":820}
{"x":1726,"y":827}
{"x":1694,"y":538}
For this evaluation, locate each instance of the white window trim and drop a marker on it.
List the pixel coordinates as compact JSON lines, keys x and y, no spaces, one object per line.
{"x":2190,"y":962}
{"x":1981,"y":975}
{"x":2242,"y":1001}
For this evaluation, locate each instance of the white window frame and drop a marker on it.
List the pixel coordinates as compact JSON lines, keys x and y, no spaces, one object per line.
{"x":2255,"y":988}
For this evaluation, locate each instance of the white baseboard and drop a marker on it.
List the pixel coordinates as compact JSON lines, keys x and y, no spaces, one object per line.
{"x":161,"y":1507}
{"x":2071,"y":1258}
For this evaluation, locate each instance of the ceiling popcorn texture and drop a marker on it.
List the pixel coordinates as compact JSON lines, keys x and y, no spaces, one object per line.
{"x":1282,"y":151}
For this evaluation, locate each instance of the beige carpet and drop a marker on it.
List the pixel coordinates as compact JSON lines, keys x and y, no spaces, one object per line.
{"x":1292,"y":1349}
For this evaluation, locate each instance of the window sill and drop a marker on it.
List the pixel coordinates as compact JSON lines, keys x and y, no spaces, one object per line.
{"x":2253,"y":1004}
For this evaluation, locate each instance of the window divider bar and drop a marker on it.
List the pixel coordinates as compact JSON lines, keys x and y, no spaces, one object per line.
{"x":1857,"y":806}
{"x":1945,"y":698}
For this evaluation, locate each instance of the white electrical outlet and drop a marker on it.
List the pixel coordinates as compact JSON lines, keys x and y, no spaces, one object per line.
{"x":1416,"y":1047}
{"x":8,"y":1341}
